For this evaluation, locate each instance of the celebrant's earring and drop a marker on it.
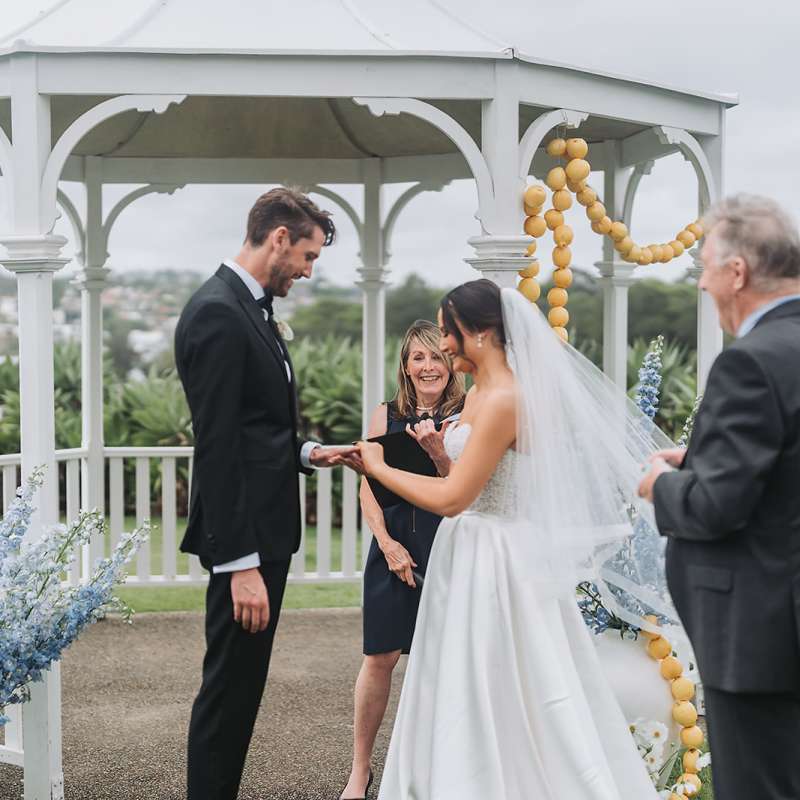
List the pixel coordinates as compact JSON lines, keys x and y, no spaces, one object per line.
{"x":480,"y":340}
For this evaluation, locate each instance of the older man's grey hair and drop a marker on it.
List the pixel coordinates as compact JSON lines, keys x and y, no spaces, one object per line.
{"x":758,"y":230}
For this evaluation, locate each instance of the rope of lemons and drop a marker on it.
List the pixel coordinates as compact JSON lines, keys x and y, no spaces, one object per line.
{"x":564,"y":181}
{"x":683,"y":710}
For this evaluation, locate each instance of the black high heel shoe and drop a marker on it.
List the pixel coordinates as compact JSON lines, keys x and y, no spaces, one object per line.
{"x":366,"y":789}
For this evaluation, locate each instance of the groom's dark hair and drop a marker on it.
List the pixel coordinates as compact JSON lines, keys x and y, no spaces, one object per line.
{"x":477,"y":306}
{"x":291,"y":209}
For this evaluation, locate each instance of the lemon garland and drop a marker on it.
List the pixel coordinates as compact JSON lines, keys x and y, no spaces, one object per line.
{"x":564,"y":181}
{"x":683,"y":710}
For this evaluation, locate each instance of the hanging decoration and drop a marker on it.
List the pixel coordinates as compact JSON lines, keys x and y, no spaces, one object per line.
{"x":564,"y":182}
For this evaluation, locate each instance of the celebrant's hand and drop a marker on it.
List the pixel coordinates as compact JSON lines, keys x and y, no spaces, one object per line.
{"x":674,"y":456}
{"x":250,"y":600}
{"x":428,"y":438}
{"x":372,"y":456}
{"x":399,"y":561}
{"x":658,"y":466}
{"x":331,"y":455}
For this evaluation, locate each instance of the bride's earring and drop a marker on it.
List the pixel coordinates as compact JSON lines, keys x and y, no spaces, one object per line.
{"x":480,"y":340}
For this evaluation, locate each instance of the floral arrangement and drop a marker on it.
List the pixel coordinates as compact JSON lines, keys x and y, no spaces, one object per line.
{"x":40,"y":616}
{"x":650,"y":378}
{"x":688,"y":426}
{"x":597,"y":617}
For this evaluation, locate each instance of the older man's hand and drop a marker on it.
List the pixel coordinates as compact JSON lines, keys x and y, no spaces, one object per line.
{"x":673,"y":456}
{"x":658,"y":466}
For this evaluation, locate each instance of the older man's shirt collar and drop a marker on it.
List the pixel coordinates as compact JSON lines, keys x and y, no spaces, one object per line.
{"x":754,"y":318}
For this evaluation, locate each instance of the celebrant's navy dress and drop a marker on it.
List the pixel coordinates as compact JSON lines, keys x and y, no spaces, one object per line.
{"x":390,"y":604}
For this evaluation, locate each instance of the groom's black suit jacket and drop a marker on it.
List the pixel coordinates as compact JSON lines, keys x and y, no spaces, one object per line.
{"x":732,"y":514}
{"x":245,"y":495}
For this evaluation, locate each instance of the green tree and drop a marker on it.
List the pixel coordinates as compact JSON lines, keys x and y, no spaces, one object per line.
{"x":411,"y":300}
{"x":328,"y":316}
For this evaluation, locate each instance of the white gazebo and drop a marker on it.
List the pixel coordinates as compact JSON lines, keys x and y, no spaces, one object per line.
{"x":315,"y":93}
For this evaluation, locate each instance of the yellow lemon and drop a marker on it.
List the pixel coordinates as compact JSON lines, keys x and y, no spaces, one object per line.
{"x":577,"y":148}
{"x":667,"y":254}
{"x":692,"y":737}
{"x":558,"y":317}
{"x":686,"y":238}
{"x":562,"y":200}
{"x":684,"y":713}
{"x":690,"y":761}
{"x":531,"y":211}
{"x":659,"y":648}
{"x":563,"y":278}
{"x":530,"y":249}
{"x":578,"y":170}
{"x":624,"y":245}
{"x":619,"y":230}
{"x":535,"y":226}
{"x":562,"y":333}
{"x":696,"y":229}
{"x":587,"y":196}
{"x":651,"y":618}
{"x":556,"y":178}
{"x":530,"y":289}
{"x":646,"y":256}
{"x":531,"y":271}
{"x":604,"y":225}
{"x":677,"y":247}
{"x":632,"y":256}
{"x":671,"y":668}
{"x":535,"y":196}
{"x":682,"y":689}
{"x":596,"y":211}
{"x":556,"y":148}
{"x":553,"y":218}
{"x":562,"y":235}
{"x":562,"y":256}
{"x":557,"y":297}
{"x":655,"y":249}
{"x":575,"y":186}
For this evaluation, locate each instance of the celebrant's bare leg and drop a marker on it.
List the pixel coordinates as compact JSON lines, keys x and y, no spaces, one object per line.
{"x":373,"y":685}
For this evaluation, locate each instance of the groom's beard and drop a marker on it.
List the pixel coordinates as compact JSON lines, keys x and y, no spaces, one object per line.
{"x":281,"y":280}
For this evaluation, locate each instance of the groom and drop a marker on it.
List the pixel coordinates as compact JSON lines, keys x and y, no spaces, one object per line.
{"x":244,"y":522}
{"x":730,"y":507}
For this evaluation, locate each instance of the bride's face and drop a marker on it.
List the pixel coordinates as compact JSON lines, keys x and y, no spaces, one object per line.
{"x":450,"y":345}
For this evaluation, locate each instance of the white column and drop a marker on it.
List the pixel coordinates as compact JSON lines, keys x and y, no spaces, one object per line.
{"x":500,"y":249}
{"x":709,"y":332}
{"x":617,"y":275}
{"x":92,"y":281}
{"x":33,"y":255}
{"x":373,"y":288}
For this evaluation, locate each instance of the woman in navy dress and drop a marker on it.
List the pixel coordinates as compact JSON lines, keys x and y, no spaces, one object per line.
{"x":428,"y":393}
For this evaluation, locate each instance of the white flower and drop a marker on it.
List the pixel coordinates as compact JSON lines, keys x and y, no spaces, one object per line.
{"x":704,"y":761}
{"x":287,"y":334}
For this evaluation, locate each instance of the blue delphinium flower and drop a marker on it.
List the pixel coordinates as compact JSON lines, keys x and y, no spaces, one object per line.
{"x":40,"y":616}
{"x":650,"y":379}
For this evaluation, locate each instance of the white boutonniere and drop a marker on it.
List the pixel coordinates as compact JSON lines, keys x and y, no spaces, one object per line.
{"x":287,"y":334}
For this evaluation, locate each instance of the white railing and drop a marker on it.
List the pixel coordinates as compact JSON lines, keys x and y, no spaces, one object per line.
{"x":327,"y":552}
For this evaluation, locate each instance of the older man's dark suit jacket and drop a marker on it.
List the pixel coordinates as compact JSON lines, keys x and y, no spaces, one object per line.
{"x":732,"y":514}
{"x":245,"y":495}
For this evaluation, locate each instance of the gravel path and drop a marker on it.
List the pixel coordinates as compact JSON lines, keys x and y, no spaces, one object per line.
{"x":127,"y":693}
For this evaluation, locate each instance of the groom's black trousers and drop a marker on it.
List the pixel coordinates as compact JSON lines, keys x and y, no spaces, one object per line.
{"x":234,"y":674}
{"x":755,"y":745}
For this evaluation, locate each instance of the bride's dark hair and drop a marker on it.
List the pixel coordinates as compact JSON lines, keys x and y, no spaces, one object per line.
{"x":477,"y":306}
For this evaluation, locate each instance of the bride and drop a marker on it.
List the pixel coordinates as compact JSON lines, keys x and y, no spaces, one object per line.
{"x":504,"y":696}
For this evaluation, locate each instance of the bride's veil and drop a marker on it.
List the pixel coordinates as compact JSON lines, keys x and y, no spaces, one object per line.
{"x":581,"y":445}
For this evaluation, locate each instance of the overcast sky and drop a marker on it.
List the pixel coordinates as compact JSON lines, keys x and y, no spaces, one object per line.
{"x":750,"y":48}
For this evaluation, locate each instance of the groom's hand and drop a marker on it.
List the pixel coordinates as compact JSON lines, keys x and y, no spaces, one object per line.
{"x":250,"y":600}
{"x":674,"y":456}
{"x":330,"y":455}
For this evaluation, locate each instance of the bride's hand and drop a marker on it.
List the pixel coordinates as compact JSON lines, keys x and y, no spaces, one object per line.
{"x":371,"y":456}
{"x":674,"y":456}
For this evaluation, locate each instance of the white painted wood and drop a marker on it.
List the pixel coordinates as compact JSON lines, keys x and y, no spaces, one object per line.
{"x":398,"y":207}
{"x":324,"y":521}
{"x":168,"y":519}
{"x":10,"y":484}
{"x":298,"y":566}
{"x":639,"y":171}
{"x":532,"y":138}
{"x":349,"y":521}
{"x":73,"y":488}
{"x":195,"y":567}
{"x":142,"y":515}
{"x":116,"y":497}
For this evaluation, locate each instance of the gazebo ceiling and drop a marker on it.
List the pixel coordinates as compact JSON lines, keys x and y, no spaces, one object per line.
{"x":280,"y":127}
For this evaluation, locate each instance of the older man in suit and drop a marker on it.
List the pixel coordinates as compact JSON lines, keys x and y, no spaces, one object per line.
{"x":730,"y":506}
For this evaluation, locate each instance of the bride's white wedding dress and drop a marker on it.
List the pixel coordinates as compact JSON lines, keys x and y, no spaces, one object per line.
{"x":504,"y":697}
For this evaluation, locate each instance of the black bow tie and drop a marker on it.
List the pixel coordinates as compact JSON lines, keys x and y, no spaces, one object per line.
{"x":265,"y":302}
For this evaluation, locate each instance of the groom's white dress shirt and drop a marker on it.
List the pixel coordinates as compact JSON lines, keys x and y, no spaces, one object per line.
{"x":252,"y":560}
